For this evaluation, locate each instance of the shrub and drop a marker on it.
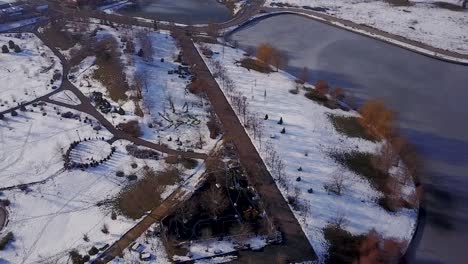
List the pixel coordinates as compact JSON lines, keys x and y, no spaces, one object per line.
{"x":75,"y":257}
{"x":270,"y":55}
{"x":316,"y":96}
{"x":322,"y":87}
{"x":11,"y":44}
{"x":113,"y":215}
{"x":105,"y":229}
{"x":132,"y":177}
{"x":93,"y":251}
{"x":350,"y":126}
{"x":120,"y":174}
{"x":256,"y":65}
{"x":14,"y":113}
{"x":343,"y":247}
{"x":141,"y":153}
{"x":17,"y":49}
{"x":172,"y":159}
{"x":5,"y":49}
{"x":378,"y":119}
{"x":4,"y":241}
{"x":85,"y":238}
{"x":338,"y":94}
{"x":189,"y":163}
{"x":131,"y":127}
{"x":293,"y":201}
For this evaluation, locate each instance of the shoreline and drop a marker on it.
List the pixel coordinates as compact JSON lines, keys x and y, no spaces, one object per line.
{"x":410,"y":45}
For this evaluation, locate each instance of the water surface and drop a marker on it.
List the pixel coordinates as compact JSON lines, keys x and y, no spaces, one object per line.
{"x":180,"y":11}
{"x":430,"y":97}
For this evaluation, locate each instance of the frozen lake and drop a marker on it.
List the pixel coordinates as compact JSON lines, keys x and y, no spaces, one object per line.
{"x":180,"y":11}
{"x":429,"y":96}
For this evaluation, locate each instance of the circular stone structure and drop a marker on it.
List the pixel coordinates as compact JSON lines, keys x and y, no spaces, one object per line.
{"x":90,"y":151}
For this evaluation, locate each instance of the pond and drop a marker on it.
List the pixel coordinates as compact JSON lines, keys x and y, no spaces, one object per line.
{"x":429,"y":96}
{"x":180,"y":11}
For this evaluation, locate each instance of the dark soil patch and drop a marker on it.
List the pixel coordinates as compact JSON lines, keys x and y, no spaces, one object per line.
{"x":135,"y":200}
{"x":110,"y":71}
{"x":188,"y":163}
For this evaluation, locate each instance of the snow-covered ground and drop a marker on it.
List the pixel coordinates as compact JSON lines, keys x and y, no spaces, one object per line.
{"x":309,"y":131}
{"x":150,"y":243}
{"x":160,"y":122}
{"x":28,"y":74}
{"x":31,"y":145}
{"x":89,"y":151}
{"x":67,"y":97}
{"x":50,"y":219}
{"x":54,"y":210}
{"x":422,"y":21}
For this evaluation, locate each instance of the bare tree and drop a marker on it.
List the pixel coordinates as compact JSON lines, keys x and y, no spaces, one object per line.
{"x":212,"y":30}
{"x":338,"y":182}
{"x":304,"y":75}
{"x":170,"y":101}
{"x":214,"y":201}
{"x":146,"y":45}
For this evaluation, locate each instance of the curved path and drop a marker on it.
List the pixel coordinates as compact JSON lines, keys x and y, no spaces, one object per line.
{"x":88,"y":108}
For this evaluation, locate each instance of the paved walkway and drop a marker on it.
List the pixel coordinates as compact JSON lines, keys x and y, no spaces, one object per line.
{"x":296,"y":247}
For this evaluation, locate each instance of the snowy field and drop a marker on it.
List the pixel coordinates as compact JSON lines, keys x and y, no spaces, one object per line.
{"x":309,"y":131}
{"x":31,"y":145}
{"x":50,"y":219}
{"x":422,"y":21}
{"x":29,"y":73}
{"x":170,"y":112}
{"x":53,"y":210}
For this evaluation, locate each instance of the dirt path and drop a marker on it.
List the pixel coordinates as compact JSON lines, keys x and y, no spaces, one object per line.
{"x":296,"y":247}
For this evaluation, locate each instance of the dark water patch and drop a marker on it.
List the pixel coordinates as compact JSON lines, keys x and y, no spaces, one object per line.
{"x":429,"y":96}
{"x":180,"y":11}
